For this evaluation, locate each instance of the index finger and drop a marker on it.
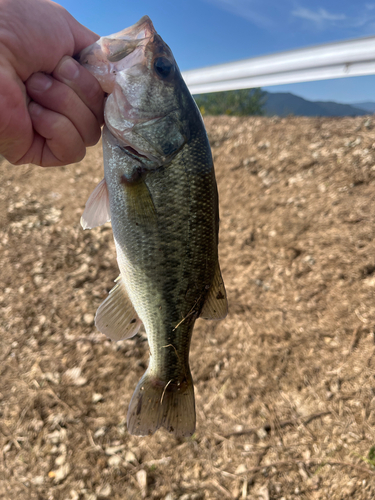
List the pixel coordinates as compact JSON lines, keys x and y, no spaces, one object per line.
{"x":84,"y":84}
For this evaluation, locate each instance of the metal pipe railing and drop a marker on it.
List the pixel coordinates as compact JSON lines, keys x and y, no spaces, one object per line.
{"x":333,"y":60}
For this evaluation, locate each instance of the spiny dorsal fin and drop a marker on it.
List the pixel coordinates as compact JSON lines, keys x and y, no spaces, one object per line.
{"x":96,"y":210}
{"x":116,"y":316}
{"x":216,"y":304}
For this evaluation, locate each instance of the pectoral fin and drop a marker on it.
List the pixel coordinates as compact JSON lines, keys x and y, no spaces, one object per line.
{"x":116,"y":316}
{"x":216,"y":303}
{"x":96,"y":210}
{"x":140,"y":205}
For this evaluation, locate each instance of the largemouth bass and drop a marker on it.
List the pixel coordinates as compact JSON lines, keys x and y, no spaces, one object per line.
{"x":159,"y":191}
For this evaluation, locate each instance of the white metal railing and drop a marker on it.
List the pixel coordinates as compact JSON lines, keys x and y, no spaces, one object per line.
{"x":333,"y":60}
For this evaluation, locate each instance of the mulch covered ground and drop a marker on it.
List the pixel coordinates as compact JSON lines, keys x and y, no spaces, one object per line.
{"x":285,"y":387}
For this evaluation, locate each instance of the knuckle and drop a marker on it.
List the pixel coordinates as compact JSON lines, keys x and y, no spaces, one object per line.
{"x":66,"y":143}
{"x":68,"y":100}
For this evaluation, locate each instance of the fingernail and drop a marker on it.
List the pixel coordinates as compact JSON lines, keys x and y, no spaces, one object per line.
{"x":68,"y":69}
{"x":35,"y":109}
{"x":40,"y":82}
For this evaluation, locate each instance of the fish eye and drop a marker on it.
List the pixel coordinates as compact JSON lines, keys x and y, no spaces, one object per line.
{"x":163,"y":67}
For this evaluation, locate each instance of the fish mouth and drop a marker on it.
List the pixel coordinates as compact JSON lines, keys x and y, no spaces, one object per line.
{"x":121,"y":44}
{"x":141,"y":29}
{"x":118,"y":52}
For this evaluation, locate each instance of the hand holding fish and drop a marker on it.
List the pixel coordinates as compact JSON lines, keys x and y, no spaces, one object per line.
{"x":51,"y":108}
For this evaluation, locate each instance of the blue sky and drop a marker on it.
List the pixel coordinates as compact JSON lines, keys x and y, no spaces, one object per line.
{"x":205,"y":32}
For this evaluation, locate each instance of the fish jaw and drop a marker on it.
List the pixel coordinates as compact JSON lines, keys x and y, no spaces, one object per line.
{"x":115,"y":53}
{"x":138,"y":71}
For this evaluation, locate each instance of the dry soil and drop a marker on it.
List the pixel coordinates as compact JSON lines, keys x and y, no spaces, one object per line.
{"x":285,"y":388}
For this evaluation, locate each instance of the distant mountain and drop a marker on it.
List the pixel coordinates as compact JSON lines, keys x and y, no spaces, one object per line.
{"x":367,"y":106}
{"x":284,"y":104}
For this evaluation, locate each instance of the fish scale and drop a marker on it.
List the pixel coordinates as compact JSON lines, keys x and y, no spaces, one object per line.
{"x":159,"y":190}
{"x":170,"y":253}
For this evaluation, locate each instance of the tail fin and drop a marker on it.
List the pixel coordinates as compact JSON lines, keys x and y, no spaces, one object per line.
{"x":157,"y":404}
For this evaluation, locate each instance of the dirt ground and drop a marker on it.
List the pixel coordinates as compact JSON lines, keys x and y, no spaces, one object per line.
{"x":285,"y":388}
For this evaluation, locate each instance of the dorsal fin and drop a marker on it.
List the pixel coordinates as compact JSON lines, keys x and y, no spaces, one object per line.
{"x":216,"y":304}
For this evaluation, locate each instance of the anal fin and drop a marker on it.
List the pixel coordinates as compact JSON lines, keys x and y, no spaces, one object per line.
{"x":116,"y":316}
{"x":216,"y":304}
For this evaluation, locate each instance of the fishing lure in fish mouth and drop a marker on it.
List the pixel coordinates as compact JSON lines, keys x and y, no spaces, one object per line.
{"x":159,"y":191}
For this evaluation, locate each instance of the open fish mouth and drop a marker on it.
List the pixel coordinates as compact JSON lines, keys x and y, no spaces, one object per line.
{"x":117,"y":52}
{"x":121,"y":44}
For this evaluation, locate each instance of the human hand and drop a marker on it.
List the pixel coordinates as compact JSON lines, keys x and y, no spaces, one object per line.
{"x":51,"y":108}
